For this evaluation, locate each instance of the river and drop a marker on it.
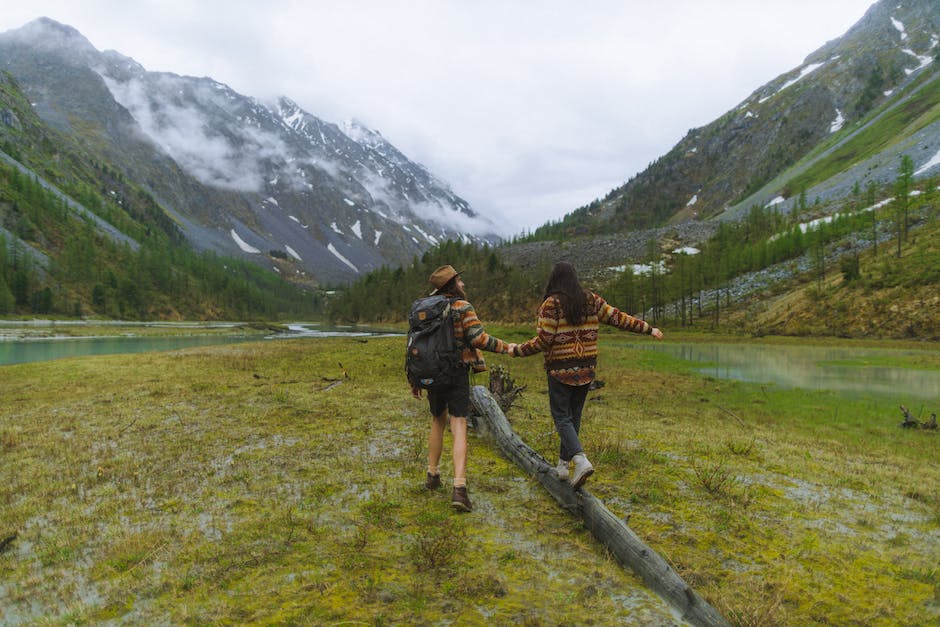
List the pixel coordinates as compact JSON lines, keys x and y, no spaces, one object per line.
{"x":39,"y":340}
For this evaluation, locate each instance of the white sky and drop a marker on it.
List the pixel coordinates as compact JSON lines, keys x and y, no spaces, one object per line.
{"x":527,"y":108}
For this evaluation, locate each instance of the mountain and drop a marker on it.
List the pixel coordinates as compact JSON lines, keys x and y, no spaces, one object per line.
{"x":811,"y":207}
{"x":845,"y":115}
{"x":266,"y":182}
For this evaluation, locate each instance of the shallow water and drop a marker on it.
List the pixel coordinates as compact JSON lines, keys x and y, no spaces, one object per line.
{"x":24,"y":342}
{"x":845,"y":370}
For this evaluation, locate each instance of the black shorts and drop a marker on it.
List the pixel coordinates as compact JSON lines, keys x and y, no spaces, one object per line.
{"x":454,"y":398}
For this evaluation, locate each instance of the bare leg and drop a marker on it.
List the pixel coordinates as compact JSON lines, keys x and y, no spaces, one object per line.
{"x":458,"y":427}
{"x":436,"y":442}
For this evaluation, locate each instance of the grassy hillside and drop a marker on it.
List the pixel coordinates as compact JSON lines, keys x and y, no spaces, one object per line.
{"x":55,"y":259}
{"x":879,"y":295}
{"x":282,"y":482}
{"x":881,"y":129}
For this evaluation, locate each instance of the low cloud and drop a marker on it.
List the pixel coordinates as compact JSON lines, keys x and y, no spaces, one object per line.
{"x":229,"y":156}
{"x":452,"y":220}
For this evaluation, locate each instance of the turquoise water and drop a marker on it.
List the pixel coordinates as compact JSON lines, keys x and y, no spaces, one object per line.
{"x":18,"y":350}
{"x":24,"y":351}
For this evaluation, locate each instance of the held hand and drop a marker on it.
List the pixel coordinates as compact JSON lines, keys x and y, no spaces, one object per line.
{"x":656,"y":333}
{"x":512,"y":349}
{"x":416,"y":392}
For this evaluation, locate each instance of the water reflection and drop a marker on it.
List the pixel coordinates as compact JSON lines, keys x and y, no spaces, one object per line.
{"x":808,"y":367}
{"x":25,"y":351}
{"x":17,"y":346}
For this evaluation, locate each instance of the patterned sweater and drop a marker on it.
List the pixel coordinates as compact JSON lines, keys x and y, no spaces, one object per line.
{"x":469,"y":333}
{"x":571,"y":351}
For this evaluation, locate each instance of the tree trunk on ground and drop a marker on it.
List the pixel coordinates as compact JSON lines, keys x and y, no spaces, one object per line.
{"x":623,"y":543}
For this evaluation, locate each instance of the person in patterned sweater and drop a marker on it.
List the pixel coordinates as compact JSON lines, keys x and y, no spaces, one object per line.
{"x":567,"y":334}
{"x":455,"y":400}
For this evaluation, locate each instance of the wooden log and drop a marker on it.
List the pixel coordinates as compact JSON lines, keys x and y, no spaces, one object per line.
{"x":629,"y":550}
{"x":909,"y":421}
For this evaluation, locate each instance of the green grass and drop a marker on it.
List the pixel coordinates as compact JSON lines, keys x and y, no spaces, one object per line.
{"x":902,"y":121}
{"x":241,"y":484}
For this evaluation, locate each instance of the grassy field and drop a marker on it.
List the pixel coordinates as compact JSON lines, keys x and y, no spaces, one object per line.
{"x":282,"y":482}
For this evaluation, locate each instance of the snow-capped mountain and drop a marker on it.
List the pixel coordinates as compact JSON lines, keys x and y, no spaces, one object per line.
{"x":265,"y":181}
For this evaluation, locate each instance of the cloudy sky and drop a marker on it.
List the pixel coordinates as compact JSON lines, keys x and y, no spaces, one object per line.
{"x":527,"y":108}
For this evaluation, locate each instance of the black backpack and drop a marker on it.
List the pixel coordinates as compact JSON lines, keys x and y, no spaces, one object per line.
{"x":433,"y":359}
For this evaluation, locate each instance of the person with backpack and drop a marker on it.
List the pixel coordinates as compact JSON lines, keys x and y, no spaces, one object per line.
{"x":567,"y":333}
{"x":444,"y":342}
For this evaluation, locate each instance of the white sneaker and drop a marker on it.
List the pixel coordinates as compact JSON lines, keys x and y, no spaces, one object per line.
{"x":582,"y":470}
{"x":561,"y":470}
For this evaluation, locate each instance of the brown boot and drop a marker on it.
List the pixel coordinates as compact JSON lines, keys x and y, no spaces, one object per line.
{"x":433,"y":482}
{"x":460,"y":500}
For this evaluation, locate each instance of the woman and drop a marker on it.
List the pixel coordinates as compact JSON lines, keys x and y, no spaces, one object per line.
{"x":567,"y":334}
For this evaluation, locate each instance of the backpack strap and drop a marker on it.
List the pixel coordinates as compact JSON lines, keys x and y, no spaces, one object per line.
{"x":455,"y":319}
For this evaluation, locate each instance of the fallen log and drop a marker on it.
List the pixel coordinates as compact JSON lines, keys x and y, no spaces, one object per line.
{"x":629,"y":550}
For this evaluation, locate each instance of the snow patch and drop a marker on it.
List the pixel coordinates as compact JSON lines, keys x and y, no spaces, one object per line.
{"x":809,"y":69}
{"x":292,"y":252}
{"x":337,"y":254}
{"x":378,"y":235}
{"x":838,"y":123}
{"x":294,"y":218}
{"x":245,"y":246}
{"x":923,"y":61}
{"x":934,"y":161}
{"x":692,"y":200}
{"x":900,"y":27}
{"x":336,"y":228}
{"x":647,"y":268}
{"x":357,"y":229}
{"x":349,"y":202}
{"x":775,"y":201}
{"x":426,"y":236}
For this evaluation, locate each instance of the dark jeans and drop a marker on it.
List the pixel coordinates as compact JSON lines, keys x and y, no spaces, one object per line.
{"x":566,"y":403}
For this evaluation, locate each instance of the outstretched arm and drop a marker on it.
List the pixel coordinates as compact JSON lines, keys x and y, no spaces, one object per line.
{"x":546,"y":330}
{"x":609,"y":314}
{"x":475,"y":336}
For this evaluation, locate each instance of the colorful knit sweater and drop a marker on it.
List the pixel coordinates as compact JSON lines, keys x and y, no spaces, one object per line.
{"x":469,"y":333}
{"x":571,"y":351}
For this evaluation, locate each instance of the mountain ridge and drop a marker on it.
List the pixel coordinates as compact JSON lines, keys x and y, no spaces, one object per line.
{"x":723,"y":168}
{"x":238,"y":175}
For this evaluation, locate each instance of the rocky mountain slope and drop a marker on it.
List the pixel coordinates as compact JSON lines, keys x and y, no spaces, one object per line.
{"x":842,"y":117}
{"x":268,"y":182}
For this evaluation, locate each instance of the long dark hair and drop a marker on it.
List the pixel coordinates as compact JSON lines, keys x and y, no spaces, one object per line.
{"x":563,"y":283}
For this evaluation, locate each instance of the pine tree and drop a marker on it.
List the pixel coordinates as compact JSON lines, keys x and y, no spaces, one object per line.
{"x":902,"y":190}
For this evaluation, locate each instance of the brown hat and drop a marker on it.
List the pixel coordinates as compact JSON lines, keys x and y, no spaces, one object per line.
{"x":441,"y":277}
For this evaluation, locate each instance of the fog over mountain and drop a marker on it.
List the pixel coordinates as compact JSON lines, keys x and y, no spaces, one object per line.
{"x":240,"y":176}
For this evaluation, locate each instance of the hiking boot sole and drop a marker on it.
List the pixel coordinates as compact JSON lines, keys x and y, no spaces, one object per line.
{"x":578,"y":481}
{"x":461,"y":506}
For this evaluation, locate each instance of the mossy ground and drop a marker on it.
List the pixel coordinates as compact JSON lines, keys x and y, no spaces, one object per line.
{"x":282,"y":482}
{"x":258,"y":483}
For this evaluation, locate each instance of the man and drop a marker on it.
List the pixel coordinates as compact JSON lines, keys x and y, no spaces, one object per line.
{"x":454,"y":400}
